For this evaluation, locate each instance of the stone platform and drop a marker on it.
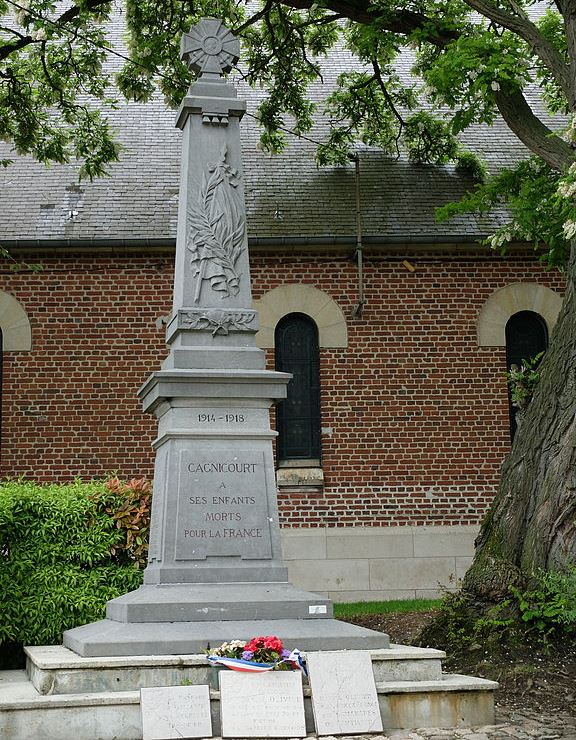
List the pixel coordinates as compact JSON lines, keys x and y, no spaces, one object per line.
{"x":110,"y":638}
{"x":62,"y":696}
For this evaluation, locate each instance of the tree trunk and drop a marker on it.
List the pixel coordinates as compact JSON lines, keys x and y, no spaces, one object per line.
{"x":532,"y":522}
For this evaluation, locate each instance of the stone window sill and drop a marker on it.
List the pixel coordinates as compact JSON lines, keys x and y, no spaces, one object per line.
{"x":302,"y":476}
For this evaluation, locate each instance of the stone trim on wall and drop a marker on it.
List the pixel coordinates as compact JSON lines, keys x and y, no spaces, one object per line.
{"x":16,"y":330}
{"x":378,"y":563}
{"x":295,"y":298}
{"x":505,"y":302}
{"x":289,"y":476}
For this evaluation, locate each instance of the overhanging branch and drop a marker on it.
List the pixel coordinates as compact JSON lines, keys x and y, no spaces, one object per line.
{"x":66,"y":17}
{"x":523,"y":27}
{"x":402,"y":21}
{"x":541,"y":140}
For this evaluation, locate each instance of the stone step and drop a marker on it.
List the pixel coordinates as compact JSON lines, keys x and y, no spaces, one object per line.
{"x":206,"y":602}
{"x":53,"y":669}
{"x":450,"y":701}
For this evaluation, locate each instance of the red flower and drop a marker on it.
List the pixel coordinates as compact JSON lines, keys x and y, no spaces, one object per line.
{"x":269,"y":643}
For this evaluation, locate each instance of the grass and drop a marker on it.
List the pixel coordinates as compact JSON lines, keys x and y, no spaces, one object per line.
{"x":385,"y":607}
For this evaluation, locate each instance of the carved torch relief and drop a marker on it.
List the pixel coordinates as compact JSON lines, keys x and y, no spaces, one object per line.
{"x":216,"y":230}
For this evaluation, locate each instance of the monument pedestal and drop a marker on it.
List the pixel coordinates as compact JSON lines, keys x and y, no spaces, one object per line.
{"x":215,"y":571}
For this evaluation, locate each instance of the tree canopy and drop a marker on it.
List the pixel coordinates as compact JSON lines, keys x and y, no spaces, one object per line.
{"x":474,"y":59}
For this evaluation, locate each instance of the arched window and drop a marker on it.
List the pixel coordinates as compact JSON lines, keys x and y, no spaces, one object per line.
{"x":526,"y":336}
{"x":298,"y":417}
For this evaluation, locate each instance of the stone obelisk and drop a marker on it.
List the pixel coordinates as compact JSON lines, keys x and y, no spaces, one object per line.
{"x":215,"y":569}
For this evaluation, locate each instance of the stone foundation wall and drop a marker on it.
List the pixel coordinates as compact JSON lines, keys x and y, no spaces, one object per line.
{"x":378,"y":563}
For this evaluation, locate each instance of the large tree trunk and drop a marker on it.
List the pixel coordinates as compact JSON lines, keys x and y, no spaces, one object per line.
{"x":532,"y":522}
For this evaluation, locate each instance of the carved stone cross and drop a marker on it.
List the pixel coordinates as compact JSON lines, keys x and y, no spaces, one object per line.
{"x":210,"y":48}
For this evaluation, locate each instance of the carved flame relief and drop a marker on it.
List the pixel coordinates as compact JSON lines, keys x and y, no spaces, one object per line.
{"x":216,"y":229}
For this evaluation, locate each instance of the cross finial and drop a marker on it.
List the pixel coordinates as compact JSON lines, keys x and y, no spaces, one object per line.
{"x":210,"y":48}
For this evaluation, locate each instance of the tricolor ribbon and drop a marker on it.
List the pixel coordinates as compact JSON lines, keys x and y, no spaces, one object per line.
{"x":298,"y":660}
{"x":249,"y":666}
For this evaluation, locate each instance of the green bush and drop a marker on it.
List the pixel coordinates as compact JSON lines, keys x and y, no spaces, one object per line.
{"x":549,"y":606}
{"x":57,"y":567}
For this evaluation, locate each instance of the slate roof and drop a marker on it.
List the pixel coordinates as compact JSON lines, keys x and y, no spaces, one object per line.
{"x":287,"y":195}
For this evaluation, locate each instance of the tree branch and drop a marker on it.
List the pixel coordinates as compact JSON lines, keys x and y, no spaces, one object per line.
{"x":253,"y":19}
{"x":387,"y":96}
{"x":568,"y":11}
{"x":524,"y":28}
{"x":66,"y":17}
{"x":403,"y":22}
{"x":520,"y":118}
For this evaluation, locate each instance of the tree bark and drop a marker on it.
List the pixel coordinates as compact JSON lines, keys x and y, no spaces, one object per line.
{"x":539,"y":139}
{"x":532,"y":522}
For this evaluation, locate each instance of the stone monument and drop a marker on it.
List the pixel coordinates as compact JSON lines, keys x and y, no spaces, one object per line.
{"x":215,"y":569}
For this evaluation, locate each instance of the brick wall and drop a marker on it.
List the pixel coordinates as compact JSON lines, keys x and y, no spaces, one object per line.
{"x":414,"y":413}
{"x":69,"y":406}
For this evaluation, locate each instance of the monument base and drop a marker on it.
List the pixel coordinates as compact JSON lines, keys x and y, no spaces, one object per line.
{"x":110,"y":638}
{"x":65,"y":697}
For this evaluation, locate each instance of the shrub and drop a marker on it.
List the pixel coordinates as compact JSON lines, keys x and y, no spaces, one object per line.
{"x":549,"y":606}
{"x":128,"y":503}
{"x":58,"y":561}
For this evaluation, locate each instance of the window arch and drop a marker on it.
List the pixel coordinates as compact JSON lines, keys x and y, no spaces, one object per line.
{"x":15,"y":325}
{"x":512,"y":299}
{"x":298,"y":416}
{"x":305,"y":299}
{"x":526,"y":336}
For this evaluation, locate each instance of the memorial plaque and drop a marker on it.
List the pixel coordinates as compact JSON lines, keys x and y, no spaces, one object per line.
{"x":344,"y":696}
{"x":262,"y":704}
{"x":175,"y":712}
{"x":222,"y":506}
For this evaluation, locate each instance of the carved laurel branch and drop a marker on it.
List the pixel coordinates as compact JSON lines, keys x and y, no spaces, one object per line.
{"x":216,"y":228}
{"x":220,"y":322}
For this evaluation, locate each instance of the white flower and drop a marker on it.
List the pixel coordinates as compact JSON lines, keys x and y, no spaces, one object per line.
{"x":39,"y":34}
{"x":569,"y":229}
{"x":502,"y":236}
{"x":473,"y":74}
{"x":567,"y":189}
{"x":146,"y":52}
{"x":495,"y":85}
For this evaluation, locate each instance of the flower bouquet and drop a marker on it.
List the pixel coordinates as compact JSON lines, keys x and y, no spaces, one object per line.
{"x":258,"y":655}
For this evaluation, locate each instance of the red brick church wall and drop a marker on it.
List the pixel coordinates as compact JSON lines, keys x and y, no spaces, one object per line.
{"x":415,"y":413}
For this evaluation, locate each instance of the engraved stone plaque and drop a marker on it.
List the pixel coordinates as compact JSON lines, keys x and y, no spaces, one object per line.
{"x":344,"y":697}
{"x":222,"y":506}
{"x":262,"y":704}
{"x":175,"y":712}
